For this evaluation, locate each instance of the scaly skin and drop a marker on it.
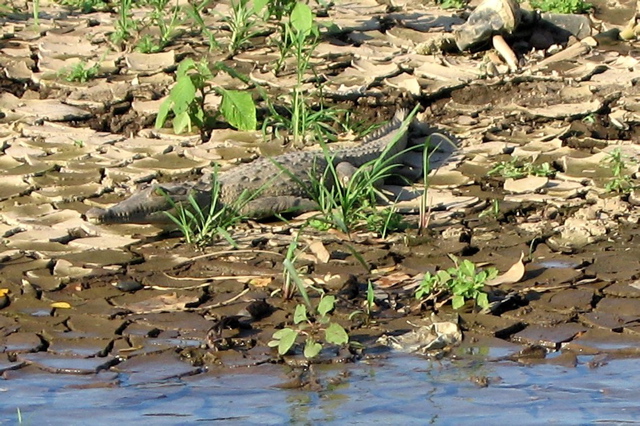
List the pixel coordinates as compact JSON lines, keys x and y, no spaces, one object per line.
{"x":277,"y":191}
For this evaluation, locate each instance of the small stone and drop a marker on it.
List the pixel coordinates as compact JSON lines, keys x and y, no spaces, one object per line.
{"x":550,"y":337}
{"x":491,"y":324}
{"x":623,"y":289}
{"x":128,"y":286}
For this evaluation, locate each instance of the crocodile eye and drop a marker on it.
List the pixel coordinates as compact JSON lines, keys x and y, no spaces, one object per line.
{"x":160,"y":191}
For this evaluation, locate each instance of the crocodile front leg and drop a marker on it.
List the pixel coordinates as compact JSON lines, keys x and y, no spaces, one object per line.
{"x":345,"y":172}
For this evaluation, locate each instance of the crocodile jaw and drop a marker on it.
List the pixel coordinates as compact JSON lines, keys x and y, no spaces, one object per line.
{"x":149,"y":205}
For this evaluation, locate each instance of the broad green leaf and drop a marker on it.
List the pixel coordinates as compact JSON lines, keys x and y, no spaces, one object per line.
{"x":300,"y":314}
{"x":312,"y":348}
{"x":443,"y":276}
{"x":182,"y":95}
{"x":258,"y":5}
{"x":287,"y":341}
{"x":457,"y":302}
{"x":163,"y":112}
{"x":197,"y":117}
{"x":336,"y":334}
{"x":184,"y":67}
{"x":468,"y":268}
{"x":370,"y":295}
{"x":302,"y":18}
{"x":326,"y":305}
{"x":238,"y":109}
{"x":182,"y":121}
{"x":279,"y":334}
{"x":482,"y":300}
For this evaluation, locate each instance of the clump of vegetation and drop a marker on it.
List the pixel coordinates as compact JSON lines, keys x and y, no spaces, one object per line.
{"x":369,"y":303}
{"x":314,"y":324}
{"x":316,"y":328}
{"x":187,"y":98}
{"x":125,"y":25}
{"x":80,"y":72}
{"x":345,"y":206}
{"x":562,"y":6}
{"x":202,"y":225}
{"x":299,"y":37}
{"x":5,"y":9}
{"x":459,"y":283}
{"x":194,"y":11}
{"x":384,"y":221}
{"x":346,"y":202}
{"x":168,"y":28}
{"x":240,"y":22}
{"x":275,"y":8}
{"x":492,"y":211}
{"x":452,"y":4}
{"x":516,"y":169}
{"x":85,"y":6}
{"x":621,"y":182}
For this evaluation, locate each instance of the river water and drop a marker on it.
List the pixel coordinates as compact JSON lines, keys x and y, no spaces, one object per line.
{"x":398,"y":389}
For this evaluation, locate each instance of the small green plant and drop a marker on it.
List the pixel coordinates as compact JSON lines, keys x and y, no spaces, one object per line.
{"x":168,"y":29}
{"x":347,"y":201}
{"x":310,"y":322}
{"x":36,"y":12}
{"x":621,"y":182}
{"x":562,"y":6}
{"x":241,"y":23}
{"x":385,"y":221}
{"x":186,"y":100}
{"x":458,"y":284}
{"x":194,"y":11}
{"x":274,"y":8}
{"x":85,"y":6}
{"x":354,"y":124}
{"x":346,"y":205}
{"x":289,"y":272}
{"x":427,"y":151}
{"x":452,"y":4}
{"x":125,"y":25}
{"x":201,"y":225}
{"x":493,"y":210}
{"x":589,"y":119}
{"x":425,"y":208}
{"x":369,"y":303}
{"x":299,"y":37}
{"x":147,"y":44}
{"x":80,"y":72}
{"x":516,"y":169}
{"x":5,"y":10}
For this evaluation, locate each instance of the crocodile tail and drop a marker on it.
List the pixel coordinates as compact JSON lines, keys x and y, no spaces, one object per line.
{"x":391,"y":127}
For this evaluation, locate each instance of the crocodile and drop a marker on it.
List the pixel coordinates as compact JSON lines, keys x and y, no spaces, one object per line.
{"x":280,"y":183}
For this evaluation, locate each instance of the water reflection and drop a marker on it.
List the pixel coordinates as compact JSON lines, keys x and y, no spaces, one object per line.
{"x":402,"y":390}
